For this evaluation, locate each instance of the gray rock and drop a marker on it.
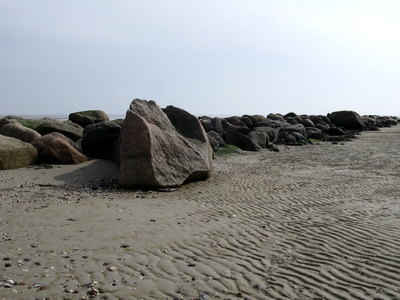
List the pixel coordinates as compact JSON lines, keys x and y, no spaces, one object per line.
{"x":242,"y":141}
{"x":16,"y":154}
{"x":74,"y":132}
{"x":261,"y":138}
{"x":286,"y":137}
{"x":155,"y":154}
{"x":16,"y":130}
{"x":206,"y":123}
{"x":85,"y":118}
{"x":296,"y":128}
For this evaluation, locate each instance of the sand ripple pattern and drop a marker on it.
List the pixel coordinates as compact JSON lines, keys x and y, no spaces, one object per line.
{"x":312,"y":222}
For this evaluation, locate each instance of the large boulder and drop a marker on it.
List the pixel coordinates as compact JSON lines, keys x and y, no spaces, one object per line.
{"x":347,"y":119}
{"x":16,"y":130}
{"x":287,"y":137}
{"x":255,"y":119}
{"x":270,"y":131}
{"x":296,"y":128}
{"x":242,"y":141}
{"x":99,"y":138}
{"x":236,"y":121}
{"x":261,"y":138}
{"x":55,"y":148}
{"x":72,"y":131}
{"x":87,"y":117}
{"x":162,"y":149}
{"x":15,"y":153}
{"x":218,"y":124}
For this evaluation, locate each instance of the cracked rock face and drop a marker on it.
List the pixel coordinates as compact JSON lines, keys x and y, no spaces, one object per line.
{"x":160,"y":149}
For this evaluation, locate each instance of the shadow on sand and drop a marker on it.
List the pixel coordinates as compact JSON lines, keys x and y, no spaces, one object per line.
{"x":93,"y":173}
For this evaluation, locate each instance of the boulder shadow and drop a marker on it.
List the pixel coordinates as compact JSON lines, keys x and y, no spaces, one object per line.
{"x":94,"y":174}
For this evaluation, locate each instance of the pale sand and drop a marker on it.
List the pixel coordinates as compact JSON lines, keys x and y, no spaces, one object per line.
{"x":311,"y":222}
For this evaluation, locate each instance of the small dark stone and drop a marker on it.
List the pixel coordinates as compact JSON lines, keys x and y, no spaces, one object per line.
{"x":7,"y":265}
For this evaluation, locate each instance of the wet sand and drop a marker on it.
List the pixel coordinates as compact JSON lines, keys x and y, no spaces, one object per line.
{"x":312,"y":222}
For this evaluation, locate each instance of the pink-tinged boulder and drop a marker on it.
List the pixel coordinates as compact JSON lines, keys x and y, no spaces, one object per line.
{"x":162,"y":149}
{"x":16,"y":154}
{"x":56,"y":148}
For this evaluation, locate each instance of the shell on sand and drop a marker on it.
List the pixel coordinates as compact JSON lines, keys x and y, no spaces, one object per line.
{"x":319,"y":221}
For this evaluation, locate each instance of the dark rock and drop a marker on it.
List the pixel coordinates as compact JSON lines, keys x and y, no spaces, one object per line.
{"x":55,"y":148}
{"x":296,"y":128}
{"x":335,"y":131}
{"x":99,"y":138}
{"x":247,"y":121}
{"x":207,"y":125}
{"x":217,"y":137}
{"x":16,"y":154}
{"x":290,"y":115}
{"x":85,"y":118}
{"x":270,"y":131}
{"x":218,"y":125}
{"x":239,"y":129}
{"x":159,"y":151}
{"x":242,"y":141}
{"x":314,"y":133}
{"x":288,"y":138}
{"x":74,"y":132}
{"x":307,"y":122}
{"x":256,"y":119}
{"x":213,"y":142}
{"x":299,"y":137}
{"x":275,"y":117}
{"x":323,"y":126}
{"x":186,"y":124}
{"x":261,"y":138}
{"x":347,"y":119}
{"x":235,"y":121}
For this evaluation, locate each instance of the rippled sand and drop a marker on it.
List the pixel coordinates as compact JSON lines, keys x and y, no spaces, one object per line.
{"x":311,"y":222}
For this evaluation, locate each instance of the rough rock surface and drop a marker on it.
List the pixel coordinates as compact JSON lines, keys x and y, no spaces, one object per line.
{"x":242,"y":141}
{"x":74,"y":132}
{"x":55,"y":148}
{"x":99,"y":138}
{"x":155,"y":154}
{"x":347,"y":119}
{"x":15,"y":153}
{"x":85,"y":118}
{"x":16,"y":130}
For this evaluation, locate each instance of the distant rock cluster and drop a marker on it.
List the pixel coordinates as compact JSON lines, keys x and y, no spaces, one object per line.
{"x":162,"y":148}
{"x":254,"y":132}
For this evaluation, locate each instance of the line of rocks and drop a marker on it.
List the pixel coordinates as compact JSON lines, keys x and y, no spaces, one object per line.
{"x":162,"y":148}
{"x":254,"y":132}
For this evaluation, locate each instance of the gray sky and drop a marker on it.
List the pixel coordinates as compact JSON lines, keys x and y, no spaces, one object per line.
{"x":210,"y":57}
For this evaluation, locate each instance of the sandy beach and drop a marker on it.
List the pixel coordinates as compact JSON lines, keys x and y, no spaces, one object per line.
{"x":312,"y":222}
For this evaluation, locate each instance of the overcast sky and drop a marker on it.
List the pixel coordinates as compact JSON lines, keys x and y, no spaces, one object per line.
{"x":210,"y":57}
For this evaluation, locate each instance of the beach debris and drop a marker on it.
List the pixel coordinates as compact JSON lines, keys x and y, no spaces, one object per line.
{"x":167,"y":190}
{"x":112,"y":268}
{"x":124,"y":246}
{"x":204,"y":296}
{"x":92,"y":293}
{"x":34,"y":245}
